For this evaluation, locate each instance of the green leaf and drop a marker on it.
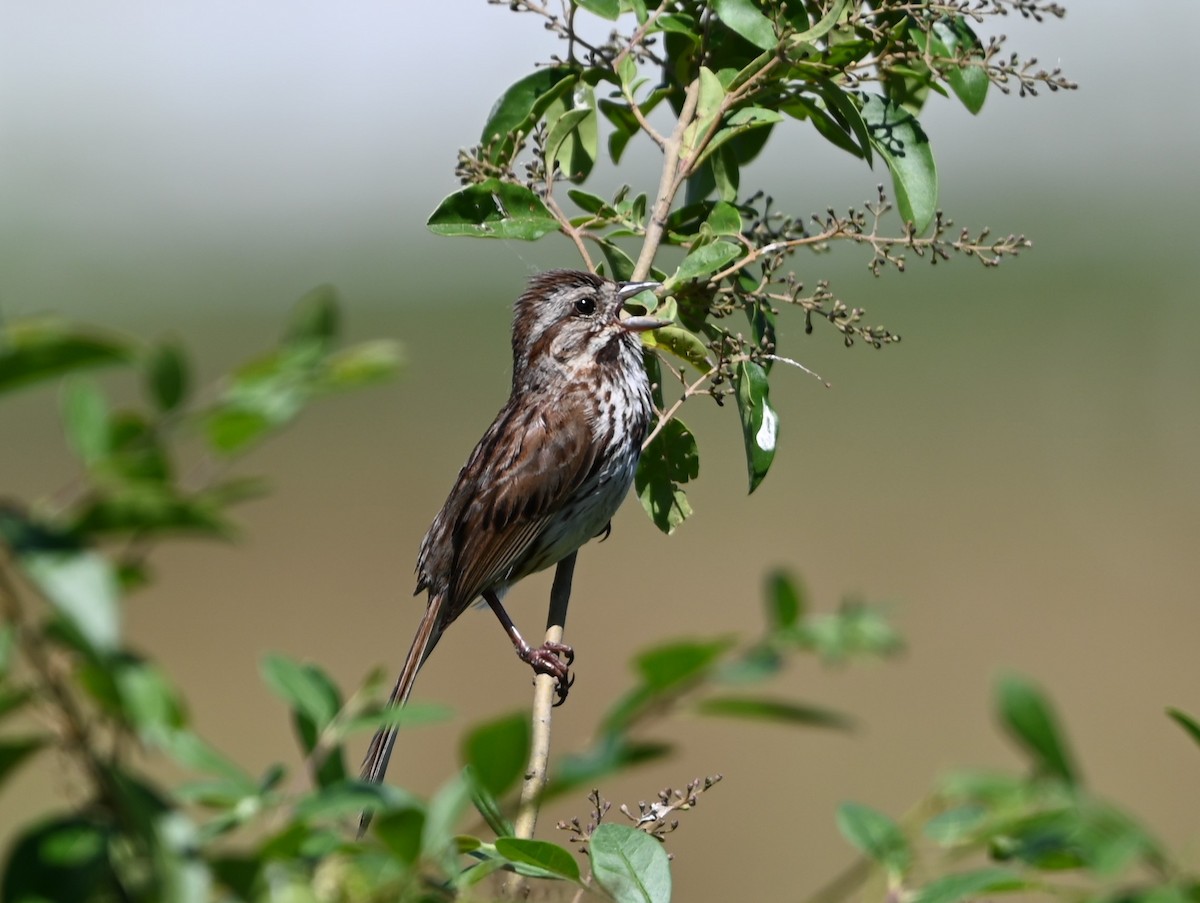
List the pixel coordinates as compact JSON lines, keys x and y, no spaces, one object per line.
{"x":572,"y":141}
{"x":822,"y":27}
{"x":970,"y":886}
{"x":670,"y":459}
{"x":497,"y":752}
{"x":724,"y":219}
{"x":590,"y":203}
{"x":85,"y":415}
{"x":708,"y":109}
{"x":8,"y":638}
{"x":785,"y":601}
{"x":676,"y":663}
{"x":196,"y":754}
{"x":899,"y":139}
{"x":493,"y":209}
{"x":315,"y":319}
{"x":684,"y":344}
{"x":741,"y":122}
{"x":630,"y":864}
{"x":745,"y":17}
{"x":845,"y":111}
{"x":876,"y":835}
{"x":400,"y":831}
{"x":760,"y":423}
{"x":954,"y":38}
{"x":61,"y":860}
{"x":549,"y":857}
{"x":312,"y":696}
{"x":1185,"y":721}
{"x":39,"y":349}
{"x":607,"y":9}
{"x":149,"y":704}
{"x":82,"y":586}
{"x":705,"y":260}
{"x":350,"y":797}
{"x":362,"y":364}
{"x":521,"y":106}
{"x":230,"y":429}
{"x":167,"y":376}
{"x":1029,"y":718}
{"x":14,"y":751}
{"x":611,"y":754}
{"x":759,"y":709}
{"x":620,"y":265}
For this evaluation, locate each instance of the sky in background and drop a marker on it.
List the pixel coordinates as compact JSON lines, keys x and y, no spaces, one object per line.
{"x":131,"y":129}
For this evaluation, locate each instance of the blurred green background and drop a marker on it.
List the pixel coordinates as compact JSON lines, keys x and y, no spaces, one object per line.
{"x":1019,"y":476}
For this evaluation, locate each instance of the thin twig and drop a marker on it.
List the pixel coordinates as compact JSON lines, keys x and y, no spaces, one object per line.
{"x":668,"y":185}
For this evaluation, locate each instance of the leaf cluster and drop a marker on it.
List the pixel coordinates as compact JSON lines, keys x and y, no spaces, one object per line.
{"x":983,"y":834}
{"x":230,"y":834}
{"x":728,"y":76}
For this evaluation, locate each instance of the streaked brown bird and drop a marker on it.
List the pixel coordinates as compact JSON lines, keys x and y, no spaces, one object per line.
{"x":546,"y":477}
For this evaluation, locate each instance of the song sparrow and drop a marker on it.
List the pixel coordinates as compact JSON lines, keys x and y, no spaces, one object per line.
{"x":546,"y":477}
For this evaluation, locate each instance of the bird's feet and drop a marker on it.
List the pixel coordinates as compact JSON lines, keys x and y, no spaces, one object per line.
{"x":553,"y":659}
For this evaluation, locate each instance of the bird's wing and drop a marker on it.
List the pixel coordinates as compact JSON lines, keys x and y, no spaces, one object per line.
{"x":531,"y":466}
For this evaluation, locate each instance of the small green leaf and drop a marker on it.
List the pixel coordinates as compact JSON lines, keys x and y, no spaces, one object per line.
{"x":673,"y":664}
{"x":684,"y":344}
{"x":785,"y":601}
{"x":706,"y":260}
{"x":842,"y":107}
{"x":1185,"y":721}
{"x":724,"y":219}
{"x":760,"y":423}
{"x":822,"y":27}
{"x":493,"y":209}
{"x":362,"y":364}
{"x":313,"y":697}
{"x":876,"y":835}
{"x":400,"y":831}
{"x":497,"y":752}
{"x":83,"y":587}
{"x":85,"y":413}
{"x":954,"y":38}
{"x":1029,"y":718}
{"x":606,"y":9}
{"x":745,"y":17}
{"x":520,"y":106}
{"x":970,"y":886}
{"x":741,"y":122}
{"x":572,"y":141}
{"x":549,"y":857}
{"x":611,"y":754}
{"x":230,"y":430}
{"x":670,"y":459}
{"x":167,"y":376}
{"x":708,"y":109}
{"x":38,"y":349}
{"x":315,"y":319}
{"x":900,"y":140}
{"x":630,"y":864}
{"x":774,"y":710}
{"x":149,"y":704}
{"x":349,"y":798}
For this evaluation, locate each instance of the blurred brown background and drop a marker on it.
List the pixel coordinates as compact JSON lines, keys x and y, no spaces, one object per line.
{"x":1018,"y":476}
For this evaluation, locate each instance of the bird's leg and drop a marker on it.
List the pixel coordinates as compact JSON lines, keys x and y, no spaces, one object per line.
{"x":550,"y":658}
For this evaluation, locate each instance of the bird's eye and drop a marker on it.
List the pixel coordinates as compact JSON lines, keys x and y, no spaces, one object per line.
{"x":586,"y":305}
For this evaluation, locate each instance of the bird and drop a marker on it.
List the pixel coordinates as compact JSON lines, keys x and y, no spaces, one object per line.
{"x":546,"y":477}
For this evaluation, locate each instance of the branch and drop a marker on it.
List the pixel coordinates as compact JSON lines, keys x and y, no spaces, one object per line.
{"x":668,"y":185}
{"x":543,"y":704}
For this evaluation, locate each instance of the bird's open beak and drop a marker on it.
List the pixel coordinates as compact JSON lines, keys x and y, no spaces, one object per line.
{"x":639,"y":324}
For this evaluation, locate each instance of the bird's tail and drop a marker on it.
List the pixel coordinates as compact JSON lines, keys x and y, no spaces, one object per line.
{"x":375,"y":764}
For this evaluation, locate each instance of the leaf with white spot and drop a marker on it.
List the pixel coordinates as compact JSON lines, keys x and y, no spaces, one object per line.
{"x":760,"y":423}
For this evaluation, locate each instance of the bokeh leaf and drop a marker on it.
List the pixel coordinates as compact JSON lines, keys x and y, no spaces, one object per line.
{"x":876,"y":835}
{"x":38,"y":349}
{"x":497,"y":751}
{"x":167,"y":377}
{"x":970,"y":886}
{"x":83,"y":587}
{"x":1029,"y":718}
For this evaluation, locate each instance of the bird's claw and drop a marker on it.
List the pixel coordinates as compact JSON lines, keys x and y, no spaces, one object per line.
{"x":554,"y":660}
